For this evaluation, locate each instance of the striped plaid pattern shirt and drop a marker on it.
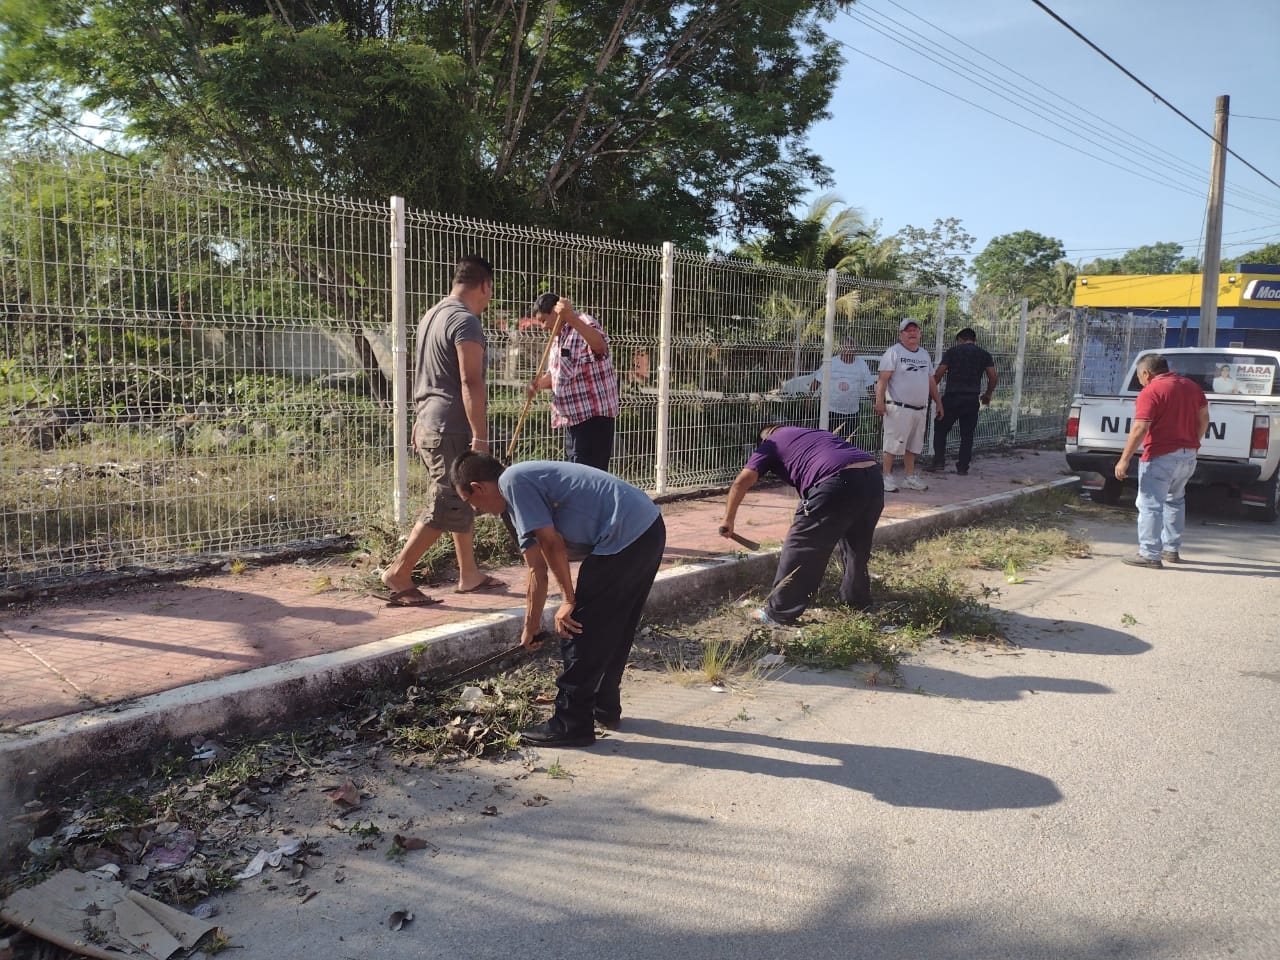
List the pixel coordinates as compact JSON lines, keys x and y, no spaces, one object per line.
{"x":582,"y":385}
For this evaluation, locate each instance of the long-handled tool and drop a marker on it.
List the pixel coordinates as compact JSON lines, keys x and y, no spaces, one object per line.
{"x":528,"y":400}
{"x":542,"y":638}
{"x":739,"y":538}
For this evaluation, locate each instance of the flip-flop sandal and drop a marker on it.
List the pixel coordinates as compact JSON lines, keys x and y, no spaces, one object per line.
{"x":489,"y":583}
{"x":411,"y":597}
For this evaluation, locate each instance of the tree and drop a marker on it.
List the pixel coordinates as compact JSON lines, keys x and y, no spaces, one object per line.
{"x":937,"y":257}
{"x":1157,"y":258}
{"x":829,"y":237}
{"x":817,"y":241}
{"x":1269,"y":254}
{"x":638,"y":118}
{"x":873,"y":257}
{"x":1102,"y":267}
{"x":1152,"y":259}
{"x":1058,"y":287}
{"x":1017,"y":264}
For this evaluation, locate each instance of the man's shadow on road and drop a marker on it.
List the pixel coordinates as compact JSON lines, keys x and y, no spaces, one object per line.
{"x":897,"y":776}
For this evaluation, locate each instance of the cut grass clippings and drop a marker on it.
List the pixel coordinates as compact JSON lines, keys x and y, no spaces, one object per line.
{"x":923,"y":591}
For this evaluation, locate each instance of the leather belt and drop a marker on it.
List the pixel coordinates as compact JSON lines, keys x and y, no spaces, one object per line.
{"x":907,"y":405}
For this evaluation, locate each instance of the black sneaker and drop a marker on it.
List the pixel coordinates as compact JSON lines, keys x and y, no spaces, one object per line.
{"x":962,"y":471}
{"x":1138,"y":560}
{"x":551,"y":734}
{"x":937,"y":466}
{"x":1170,"y":556}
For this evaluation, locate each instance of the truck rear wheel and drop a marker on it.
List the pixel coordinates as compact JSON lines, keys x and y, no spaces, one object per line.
{"x":1109,"y":493}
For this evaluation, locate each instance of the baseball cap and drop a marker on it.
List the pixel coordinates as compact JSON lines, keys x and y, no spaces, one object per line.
{"x":546,"y":303}
{"x":908,"y":323}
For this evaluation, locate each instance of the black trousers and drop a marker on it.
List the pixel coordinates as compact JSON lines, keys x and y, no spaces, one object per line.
{"x":840,"y":513}
{"x":590,"y":442}
{"x":964,"y":411}
{"x":610,"y":593}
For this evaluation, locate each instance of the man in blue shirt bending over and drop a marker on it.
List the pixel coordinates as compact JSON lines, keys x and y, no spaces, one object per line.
{"x":841,"y":498}
{"x":563,"y":512}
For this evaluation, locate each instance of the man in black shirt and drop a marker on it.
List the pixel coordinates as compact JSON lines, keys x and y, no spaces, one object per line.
{"x":963,"y":366}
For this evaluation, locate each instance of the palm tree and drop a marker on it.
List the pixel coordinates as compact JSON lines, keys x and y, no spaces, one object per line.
{"x":830,"y":236}
{"x":1058,"y":288}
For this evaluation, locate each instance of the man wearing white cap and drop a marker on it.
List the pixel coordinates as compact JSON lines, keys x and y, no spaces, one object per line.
{"x":903,"y":391}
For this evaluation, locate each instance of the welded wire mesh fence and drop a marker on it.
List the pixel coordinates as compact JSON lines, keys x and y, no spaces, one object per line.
{"x":1033,"y":360}
{"x":187,"y":367}
{"x":194,"y":368}
{"x":1105,"y":343}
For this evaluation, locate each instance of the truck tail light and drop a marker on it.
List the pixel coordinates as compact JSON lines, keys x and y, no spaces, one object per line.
{"x":1073,"y":424}
{"x":1260,"y":441}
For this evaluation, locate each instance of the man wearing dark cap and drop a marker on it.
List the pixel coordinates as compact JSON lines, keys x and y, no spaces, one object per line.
{"x":963,"y":366}
{"x":583,"y":384}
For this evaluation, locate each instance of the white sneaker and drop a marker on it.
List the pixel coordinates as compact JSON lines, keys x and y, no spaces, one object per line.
{"x":915,"y":483}
{"x":889,"y":485}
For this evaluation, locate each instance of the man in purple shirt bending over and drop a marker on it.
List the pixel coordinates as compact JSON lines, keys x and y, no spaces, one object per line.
{"x":841,"y":498}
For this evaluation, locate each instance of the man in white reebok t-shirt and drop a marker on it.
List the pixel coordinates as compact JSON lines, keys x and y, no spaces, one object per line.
{"x":903,"y":391}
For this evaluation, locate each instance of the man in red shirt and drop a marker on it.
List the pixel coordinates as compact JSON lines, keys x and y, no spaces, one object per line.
{"x":1170,"y":416}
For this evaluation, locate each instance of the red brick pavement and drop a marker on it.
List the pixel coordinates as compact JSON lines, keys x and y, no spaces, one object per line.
{"x":63,"y":655}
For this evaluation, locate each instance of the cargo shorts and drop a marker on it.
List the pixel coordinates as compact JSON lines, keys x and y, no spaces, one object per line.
{"x":444,"y":509}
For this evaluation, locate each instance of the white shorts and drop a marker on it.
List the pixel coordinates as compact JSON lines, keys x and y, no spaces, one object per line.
{"x":903,"y":430}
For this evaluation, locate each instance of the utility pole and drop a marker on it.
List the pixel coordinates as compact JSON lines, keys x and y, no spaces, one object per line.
{"x":1213,"y":228}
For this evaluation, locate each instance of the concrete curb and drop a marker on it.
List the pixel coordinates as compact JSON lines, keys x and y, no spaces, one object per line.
{"x":53,"y":754}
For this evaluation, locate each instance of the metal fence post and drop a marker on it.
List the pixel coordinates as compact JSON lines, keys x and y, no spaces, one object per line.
{"x":828,"y":348}
{"x":399,"y":389}
{"x":1128,"y":347}
{"x":930,"y":422}
{"x":665,"y":323}
{"x":1079,"y":343}
{"x":1019,"y":363}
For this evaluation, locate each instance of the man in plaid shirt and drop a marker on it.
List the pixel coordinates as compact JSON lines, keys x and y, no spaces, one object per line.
{"x":583,"y":385}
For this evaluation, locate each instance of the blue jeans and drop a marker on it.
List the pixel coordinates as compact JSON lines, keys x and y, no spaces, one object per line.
{"x":1162,"y":501}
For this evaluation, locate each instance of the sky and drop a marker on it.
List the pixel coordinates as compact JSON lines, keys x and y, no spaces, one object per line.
{"x":908,"y":153}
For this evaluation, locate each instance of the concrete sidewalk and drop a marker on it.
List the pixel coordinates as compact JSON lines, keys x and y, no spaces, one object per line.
{"x":104,"y":677}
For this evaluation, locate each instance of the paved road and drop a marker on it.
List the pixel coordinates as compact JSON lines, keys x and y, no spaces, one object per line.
{"x":1107,"y":790}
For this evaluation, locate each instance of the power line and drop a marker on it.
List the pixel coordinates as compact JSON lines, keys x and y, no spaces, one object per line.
{"x":1188,"y":169}
{"x":1115,"y":63}
{"x":983,"y":80}
{"x":1248,"y":241}
{"x":1039,"y":133}
{"x":1246,"y":116}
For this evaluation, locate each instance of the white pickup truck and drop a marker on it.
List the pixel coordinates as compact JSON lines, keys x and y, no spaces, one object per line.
{"x":1241,"y":447}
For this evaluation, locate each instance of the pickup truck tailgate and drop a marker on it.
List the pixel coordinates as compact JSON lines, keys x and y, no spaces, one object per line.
{"x":1104,"y":424}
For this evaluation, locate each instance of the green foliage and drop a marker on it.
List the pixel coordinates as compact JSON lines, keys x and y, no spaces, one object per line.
{"x":642,"y":120}
{"x":1157,"y":258}
{"x":936,"y":257}
{"x":828,"y":237}
{"x":1269,"y":254}
{"x":1017,"y":264}
{"x":842,"y":642}
{"x":935,"y":601}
